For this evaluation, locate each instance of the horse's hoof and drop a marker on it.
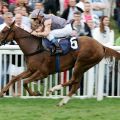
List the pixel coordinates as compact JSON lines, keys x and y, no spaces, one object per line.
{"x":38,"y":93}
{"x":49,"y":92}
{"x":60,"y":105}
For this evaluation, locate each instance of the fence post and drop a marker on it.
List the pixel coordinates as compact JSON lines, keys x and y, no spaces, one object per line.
{"x":90,"y":82}
{"x":100,"y":81}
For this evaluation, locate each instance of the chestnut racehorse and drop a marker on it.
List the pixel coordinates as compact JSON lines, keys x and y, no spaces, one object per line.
{"x":40,"y":63}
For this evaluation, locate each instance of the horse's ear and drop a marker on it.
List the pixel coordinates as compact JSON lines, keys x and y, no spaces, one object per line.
{"x":12,"y":23}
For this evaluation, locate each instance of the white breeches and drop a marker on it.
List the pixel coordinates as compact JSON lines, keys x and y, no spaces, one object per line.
{"x":59,"y":33}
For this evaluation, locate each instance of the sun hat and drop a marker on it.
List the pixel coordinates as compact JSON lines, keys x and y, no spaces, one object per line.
{"x":80,"y":7}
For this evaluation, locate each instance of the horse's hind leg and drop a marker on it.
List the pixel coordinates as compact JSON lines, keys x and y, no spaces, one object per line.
{"x":77,"y":73}
{"x":75,"y":85}
{"x":76,"y":82}
{"x":73,"y":90}
{"x":23,"y":75}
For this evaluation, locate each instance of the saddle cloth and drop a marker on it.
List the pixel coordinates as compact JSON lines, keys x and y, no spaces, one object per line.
{"x":65,"y":43}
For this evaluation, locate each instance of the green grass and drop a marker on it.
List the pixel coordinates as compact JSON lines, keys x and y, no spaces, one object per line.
{"x":46,"y":109}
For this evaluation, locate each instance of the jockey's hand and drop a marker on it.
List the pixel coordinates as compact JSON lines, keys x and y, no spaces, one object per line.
{"x":34,"y":33}
{"x":48,"y":22}
{"x":74,"y":33}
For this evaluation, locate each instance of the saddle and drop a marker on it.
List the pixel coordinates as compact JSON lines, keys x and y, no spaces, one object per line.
{"x":66,"y":44}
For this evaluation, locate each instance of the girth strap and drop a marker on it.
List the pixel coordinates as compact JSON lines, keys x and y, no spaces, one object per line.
{"x":57,"y":63}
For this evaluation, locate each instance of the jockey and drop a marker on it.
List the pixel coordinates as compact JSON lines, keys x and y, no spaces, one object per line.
{"x":74,"y":28}
{"x":48,"y":22}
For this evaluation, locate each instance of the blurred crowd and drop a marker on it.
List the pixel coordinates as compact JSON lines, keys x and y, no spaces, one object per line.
{"x":96,"y":15}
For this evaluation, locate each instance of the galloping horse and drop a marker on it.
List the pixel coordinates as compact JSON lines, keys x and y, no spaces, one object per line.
{"x":40,"y":63}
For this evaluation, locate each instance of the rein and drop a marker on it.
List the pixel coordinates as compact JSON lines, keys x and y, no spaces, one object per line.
{"x":38,"y":50}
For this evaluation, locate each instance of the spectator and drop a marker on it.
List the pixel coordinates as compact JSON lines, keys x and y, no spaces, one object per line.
{"x":24,"y":3}
{"x":17,"y":10}
{"x":99,"y":6}
{"x":8,"y":19}
{"x":68,"y":13}
{"x":12,"y":4}
{"x":39,"y":5}
{"x":32,"y":3}
{"x":51,"y":6}
{"x":1,"y":16}
{"x":104,"y":34}
{"x":4,"y":7}
{"x":66,"y":3}
{"x":25,"y":19}
{"x":24,"y":12}
{"x":91,"y":25}
{"x":19,"y":23}
{"x":88,"y":14}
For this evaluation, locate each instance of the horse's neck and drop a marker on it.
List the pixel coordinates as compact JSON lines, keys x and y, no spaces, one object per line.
{"x":28,"y":43}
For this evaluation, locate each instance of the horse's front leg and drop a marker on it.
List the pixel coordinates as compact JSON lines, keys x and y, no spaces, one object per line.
{"x":34,"y":77}
{"x":23,"y":75}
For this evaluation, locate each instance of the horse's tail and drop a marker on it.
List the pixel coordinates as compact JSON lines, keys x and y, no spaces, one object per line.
{"x":111,"y":53}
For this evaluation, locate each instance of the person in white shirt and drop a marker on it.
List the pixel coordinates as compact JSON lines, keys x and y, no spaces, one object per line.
{"x":99,"y":6}
{"x":104,"y":34}
{"x":8,"y":20}
{"x":69,"y":11}
{"x":19,"y":23}
{"x":25,"y":19}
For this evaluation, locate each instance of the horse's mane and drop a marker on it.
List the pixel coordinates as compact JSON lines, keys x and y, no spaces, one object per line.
{"x":27,"y":33}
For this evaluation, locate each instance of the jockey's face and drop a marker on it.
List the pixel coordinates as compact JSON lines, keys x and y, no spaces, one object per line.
{"x":40,"y":18}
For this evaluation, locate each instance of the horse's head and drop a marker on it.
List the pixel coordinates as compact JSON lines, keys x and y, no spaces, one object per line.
{"x":7,"y":34}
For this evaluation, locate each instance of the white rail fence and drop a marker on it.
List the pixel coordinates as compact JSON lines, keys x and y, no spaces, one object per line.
{"x":101,"y":80}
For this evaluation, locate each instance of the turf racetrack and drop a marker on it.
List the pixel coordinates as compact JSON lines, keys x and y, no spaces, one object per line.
{"x":46,"y":109}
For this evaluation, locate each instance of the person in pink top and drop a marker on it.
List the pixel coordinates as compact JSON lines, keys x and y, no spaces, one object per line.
{"x":12,"y":4}
{"x":12,"y":1}
{"x":66,"y":3}
{"x":88,"y":14}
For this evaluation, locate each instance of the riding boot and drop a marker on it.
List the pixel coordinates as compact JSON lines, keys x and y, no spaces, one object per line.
{"x":57,"y":46}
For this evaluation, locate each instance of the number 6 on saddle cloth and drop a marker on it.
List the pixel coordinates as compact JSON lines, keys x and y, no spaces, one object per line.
{"x":66,"y":44}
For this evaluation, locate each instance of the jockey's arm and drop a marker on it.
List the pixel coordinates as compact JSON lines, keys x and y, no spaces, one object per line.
{"x":58,"y":33}
{"x":47,"y":29}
